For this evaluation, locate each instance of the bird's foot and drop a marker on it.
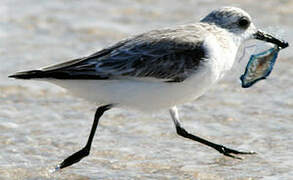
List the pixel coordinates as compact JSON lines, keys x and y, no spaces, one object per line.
{"x":231,"y":152}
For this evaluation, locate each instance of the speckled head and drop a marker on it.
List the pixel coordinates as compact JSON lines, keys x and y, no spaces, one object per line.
{"x":239,"y":22}
{"x":233,"y":19}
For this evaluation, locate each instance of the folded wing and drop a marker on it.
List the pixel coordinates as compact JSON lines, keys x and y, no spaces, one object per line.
{"x":160,"y":54}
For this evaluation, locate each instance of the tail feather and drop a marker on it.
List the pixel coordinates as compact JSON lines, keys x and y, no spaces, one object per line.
{"x":37,"y":74}
{"x":29,"y":74}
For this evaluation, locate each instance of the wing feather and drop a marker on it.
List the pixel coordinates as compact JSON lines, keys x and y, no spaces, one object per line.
{"x":165,"y":54}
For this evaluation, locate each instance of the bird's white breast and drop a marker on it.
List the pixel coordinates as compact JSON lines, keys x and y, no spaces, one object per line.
{"x":222,"y":53}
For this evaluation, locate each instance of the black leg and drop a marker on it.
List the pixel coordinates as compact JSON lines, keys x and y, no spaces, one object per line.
{"x":85,"y":151}
{"x":220,"y":148}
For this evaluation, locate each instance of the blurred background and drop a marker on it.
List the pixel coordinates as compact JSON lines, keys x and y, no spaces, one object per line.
{"x":41,"y":124}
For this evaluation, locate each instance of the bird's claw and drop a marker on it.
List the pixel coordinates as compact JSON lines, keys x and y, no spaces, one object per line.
{"x":229,"y":152}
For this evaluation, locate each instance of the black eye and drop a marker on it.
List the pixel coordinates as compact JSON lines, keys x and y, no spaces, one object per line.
{"x":243,"y":22}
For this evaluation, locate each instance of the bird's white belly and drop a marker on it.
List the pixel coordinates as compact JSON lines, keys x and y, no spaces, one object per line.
{"x":140,"y":95}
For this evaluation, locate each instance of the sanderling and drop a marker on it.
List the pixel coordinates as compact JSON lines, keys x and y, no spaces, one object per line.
{"x":157,"y":69}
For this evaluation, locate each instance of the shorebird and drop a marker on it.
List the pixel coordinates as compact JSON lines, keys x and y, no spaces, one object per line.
{"x":159,"y":69}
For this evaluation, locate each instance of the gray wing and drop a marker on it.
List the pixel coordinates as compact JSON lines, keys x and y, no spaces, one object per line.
{"x":166,"y":54}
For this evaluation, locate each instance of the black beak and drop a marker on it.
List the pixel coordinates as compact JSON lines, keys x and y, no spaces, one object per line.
{"x":263,"y":36}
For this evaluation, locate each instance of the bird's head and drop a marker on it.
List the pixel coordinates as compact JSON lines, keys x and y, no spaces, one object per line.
{"x":239,"y":22}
